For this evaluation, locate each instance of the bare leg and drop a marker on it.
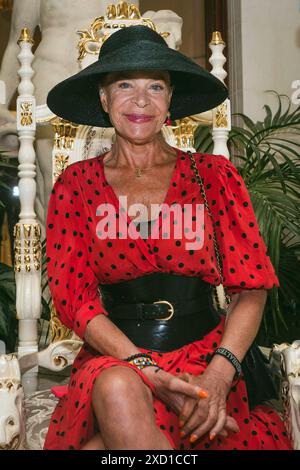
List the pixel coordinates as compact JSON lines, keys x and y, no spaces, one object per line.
{"x":123,"y":406}
{"x":95,"y":443}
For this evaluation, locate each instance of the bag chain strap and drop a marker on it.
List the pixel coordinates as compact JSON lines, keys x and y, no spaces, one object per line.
{"x":216,"y":247}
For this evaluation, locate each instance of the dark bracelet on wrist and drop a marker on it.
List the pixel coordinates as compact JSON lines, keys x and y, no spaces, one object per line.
{"x":232,"y":359}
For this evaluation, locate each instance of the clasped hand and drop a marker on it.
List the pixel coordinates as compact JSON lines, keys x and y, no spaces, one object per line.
{"x":199,"y":402}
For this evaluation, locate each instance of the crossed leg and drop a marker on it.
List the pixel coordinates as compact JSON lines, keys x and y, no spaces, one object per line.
{"x":95,"y":443}
{"x":123,"y":406}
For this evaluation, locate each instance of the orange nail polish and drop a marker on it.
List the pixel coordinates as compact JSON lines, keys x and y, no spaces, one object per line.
{"x":212,"y":436}
{"x":193,"y":438}
{"x":202,"y":394}
{"x":181,"y":423}
{"x":182,"y":434}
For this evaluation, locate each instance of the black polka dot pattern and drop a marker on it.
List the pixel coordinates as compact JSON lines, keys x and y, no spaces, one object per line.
{"x":260,"y":429}
{"x":245,"y":263}
{"x":79,"y":261}
{"x":67,"y":260}
{"x":76,"y":255}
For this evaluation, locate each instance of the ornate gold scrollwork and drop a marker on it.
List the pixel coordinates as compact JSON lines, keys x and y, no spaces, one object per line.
{"x":61,"y":163}
{"x":9,"y":383}
{"x":64,"y":133}
{"x":58,"y":330}
{"x":117,"y":16}
{"x":165,"y":35}
{"x":64,"y":136}
{"x":221,"y":116}
{"x":26,"y":114}
{"x":60,"y":361}
{"x":111,"y":12}
{"x":123,"y":11}
{"x":184,"y":132}
{"x":90,"y":41}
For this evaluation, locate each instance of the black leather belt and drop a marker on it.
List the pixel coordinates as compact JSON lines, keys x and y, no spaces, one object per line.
{"x":158,"y":310}
{"x":161,"y":311}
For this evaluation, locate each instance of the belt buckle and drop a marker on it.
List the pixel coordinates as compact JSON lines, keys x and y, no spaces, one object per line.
{"x":170,"y":310}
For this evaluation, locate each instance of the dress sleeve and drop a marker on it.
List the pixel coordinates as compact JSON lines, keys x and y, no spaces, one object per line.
{"x":73,"y":284}
{"x":246,"y":264}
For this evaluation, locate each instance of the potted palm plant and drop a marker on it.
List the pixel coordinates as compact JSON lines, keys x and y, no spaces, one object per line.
{"x":266,"y":154}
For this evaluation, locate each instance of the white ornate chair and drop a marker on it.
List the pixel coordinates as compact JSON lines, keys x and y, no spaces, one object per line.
{"x":285,"y":364}
{"x":72,"y":142}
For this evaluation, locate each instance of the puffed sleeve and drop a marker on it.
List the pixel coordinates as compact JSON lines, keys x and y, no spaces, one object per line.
{"x":246,"y":264}
{"x":73,"y":284}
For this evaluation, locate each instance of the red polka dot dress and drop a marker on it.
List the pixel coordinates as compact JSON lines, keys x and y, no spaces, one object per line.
{"x":79,"y":261}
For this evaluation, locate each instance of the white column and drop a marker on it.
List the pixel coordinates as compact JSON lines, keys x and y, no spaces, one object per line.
{"x":27,"y":230}
{"x":221,"y":114}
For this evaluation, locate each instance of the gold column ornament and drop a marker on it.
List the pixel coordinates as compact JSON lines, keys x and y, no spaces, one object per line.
{"x":64,"y":136}
{"x":184,"y":132}
{"x":29,"y":254}
{"x":64,"y":133}
{"x":25,"y":36}
{"x":221,"y":116}
{"x":60,"y":164}
{"x":26,"y":113}
{"x":216,"y":39}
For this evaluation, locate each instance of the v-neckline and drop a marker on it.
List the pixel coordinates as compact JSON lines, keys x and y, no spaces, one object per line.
{"x":124,"y":213}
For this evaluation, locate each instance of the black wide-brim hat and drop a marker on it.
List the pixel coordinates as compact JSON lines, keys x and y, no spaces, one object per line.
{"x":136,"y":48}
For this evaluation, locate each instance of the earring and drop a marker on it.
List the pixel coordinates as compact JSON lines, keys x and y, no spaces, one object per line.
{"x":168,"y":121}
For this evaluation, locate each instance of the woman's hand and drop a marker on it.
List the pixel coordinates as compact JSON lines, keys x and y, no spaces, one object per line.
{"x":172,"y":390}
{"x":201,"y":416}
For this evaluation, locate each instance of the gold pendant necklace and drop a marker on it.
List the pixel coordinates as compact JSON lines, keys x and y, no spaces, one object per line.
{"x":139,"y":171}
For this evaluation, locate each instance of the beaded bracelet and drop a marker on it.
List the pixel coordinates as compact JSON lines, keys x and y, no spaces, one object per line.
{"x":141,"y":360}
{"x":130,"y":358}
{"x":232,"y":359}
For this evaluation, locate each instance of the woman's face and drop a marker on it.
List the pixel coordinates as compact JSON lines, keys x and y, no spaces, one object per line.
{"x":137,"y":103}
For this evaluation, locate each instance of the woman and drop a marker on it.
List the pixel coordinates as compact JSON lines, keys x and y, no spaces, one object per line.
{"x":184,"y":390}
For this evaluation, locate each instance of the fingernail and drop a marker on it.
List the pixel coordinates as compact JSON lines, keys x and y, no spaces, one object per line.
{"x":181,"y":423}
{"x":202,"y":394}
{"x":182,"y":434}
{"x":212,"y":436}
{"x":193,"y":438}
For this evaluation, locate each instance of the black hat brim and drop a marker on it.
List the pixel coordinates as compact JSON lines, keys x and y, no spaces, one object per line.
{"x":76,"y":99}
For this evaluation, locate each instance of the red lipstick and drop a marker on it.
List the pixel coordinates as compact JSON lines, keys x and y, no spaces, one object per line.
{"x":139,"y":117}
